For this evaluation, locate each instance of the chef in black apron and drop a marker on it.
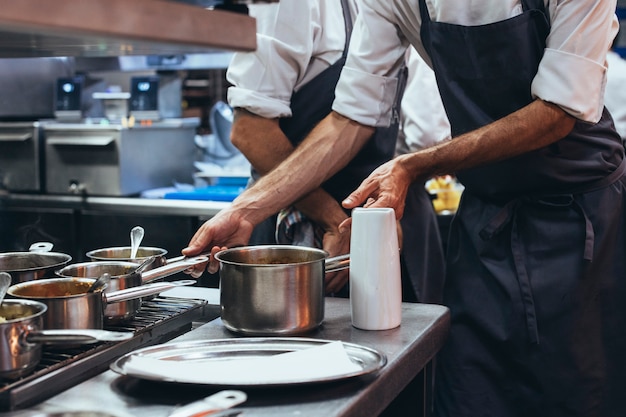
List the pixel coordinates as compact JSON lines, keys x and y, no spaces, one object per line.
{"x":536,"y":278}
{"x":422,"y":260}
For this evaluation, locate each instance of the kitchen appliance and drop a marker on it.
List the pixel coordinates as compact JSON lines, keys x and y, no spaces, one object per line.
{"x":116,"y":160}
{"x":155,"y":97}
{"x":74,"y":98}
{"x":27,"y":86}
{"x":114,"y":103}
{"x":21,"y":156}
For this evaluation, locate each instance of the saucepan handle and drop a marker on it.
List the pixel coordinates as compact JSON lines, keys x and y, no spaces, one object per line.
{"x":41,"y":247}
{"x":144,"y":290}
{"x":337,"y":263}
{"x":173,"y":267}
{"x":80,"y":336}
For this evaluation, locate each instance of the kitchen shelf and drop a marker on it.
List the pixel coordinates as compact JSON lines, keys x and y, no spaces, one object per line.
{"x":102,"y":28}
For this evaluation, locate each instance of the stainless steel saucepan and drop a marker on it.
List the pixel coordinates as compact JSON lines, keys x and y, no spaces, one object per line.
{"x":39,"y":262}
{"x":274,"y":289}
{"x":22,"y":334}
{"x":123,"y":253}
{"x":125,"y":275}
{"x":72,"y":306}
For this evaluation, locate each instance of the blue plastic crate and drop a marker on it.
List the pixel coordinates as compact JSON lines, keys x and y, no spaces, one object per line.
{"x":210,"y":193}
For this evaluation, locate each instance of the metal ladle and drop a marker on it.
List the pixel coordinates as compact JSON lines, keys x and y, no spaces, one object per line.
{"x":5,"y":283}
{"x":136,"y":236}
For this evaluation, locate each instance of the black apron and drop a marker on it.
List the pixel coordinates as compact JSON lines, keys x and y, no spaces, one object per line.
{"x":536,"y":282}
{"x":313,"y":101}
{"x":422,"y":258}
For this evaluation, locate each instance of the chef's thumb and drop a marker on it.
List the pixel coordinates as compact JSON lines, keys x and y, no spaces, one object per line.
{"x":191,"y":250}
{"x":345,"y":225}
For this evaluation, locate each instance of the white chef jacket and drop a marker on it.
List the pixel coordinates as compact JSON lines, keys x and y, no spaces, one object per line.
{"x":573,"y":66}
{"x":615,"y":94}
{"x":296,"y":41}
{"x":423,"y":121}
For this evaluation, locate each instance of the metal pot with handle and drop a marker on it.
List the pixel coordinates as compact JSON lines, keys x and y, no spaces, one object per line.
{"x":22,"y":334}
{"x":123,"y":253}
{"x":71,"y":306}
{"x":126,"y":275}
{"x":39,"y":262}
{"x":274,"y":289}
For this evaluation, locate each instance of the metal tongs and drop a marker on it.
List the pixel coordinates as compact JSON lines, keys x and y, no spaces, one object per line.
{"x":215,"y":403}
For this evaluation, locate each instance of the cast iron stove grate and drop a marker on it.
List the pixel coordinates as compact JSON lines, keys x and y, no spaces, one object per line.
{"x":159,"y":320}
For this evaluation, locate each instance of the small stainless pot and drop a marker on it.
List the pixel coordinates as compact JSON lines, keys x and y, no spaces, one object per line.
{"x":69,"y":304}
{"x":274,"y":289}
{"x":122,"y":253}
{"x":22,"y":333}
{"x":124,"y":276}
{"x":39,"y":262}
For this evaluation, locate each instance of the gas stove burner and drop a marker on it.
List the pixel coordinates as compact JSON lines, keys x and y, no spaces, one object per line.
{"x":159,"y":320}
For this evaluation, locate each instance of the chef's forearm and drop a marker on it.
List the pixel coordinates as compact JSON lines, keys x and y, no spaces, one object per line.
{"x":327,"y":149}
{"x":260,"y":140}
{"x":534,"y":126}
{"x":264,"y":144}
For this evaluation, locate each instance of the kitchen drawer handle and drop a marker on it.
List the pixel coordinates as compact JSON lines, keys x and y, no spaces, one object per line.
{"x":81,"y":141}
{"x":15,"y":137}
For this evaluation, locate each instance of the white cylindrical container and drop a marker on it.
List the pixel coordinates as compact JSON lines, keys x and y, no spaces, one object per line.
{"x":375,"y":287}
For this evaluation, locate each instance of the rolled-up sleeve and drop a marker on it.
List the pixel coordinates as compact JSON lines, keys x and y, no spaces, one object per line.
{"x":365,"y":98}
{"x":572,"y":73}
{"x":583,"y":100}
{"x":367,"y":87}
{"x":296,"y":39}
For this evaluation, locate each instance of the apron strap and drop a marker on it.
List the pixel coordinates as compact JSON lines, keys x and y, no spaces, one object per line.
{"x":347,"y":21}
{"x":536,"y":5}
{"x":523,"y":280}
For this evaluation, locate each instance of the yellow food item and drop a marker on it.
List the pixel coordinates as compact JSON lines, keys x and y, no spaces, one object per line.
{"x":447,"y":192}
{"x":438,"y":205}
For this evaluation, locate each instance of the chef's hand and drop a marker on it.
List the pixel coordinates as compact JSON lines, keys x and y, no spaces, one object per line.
{"x":226,"y":229}
{"x":336,"y":243}
{"x":386,"y":186}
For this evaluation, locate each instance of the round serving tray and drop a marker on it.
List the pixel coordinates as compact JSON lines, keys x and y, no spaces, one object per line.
{"x":207,"y":352}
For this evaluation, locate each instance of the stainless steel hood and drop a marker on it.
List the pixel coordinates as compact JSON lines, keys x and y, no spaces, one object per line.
{"x":107,"y":28}
{"x":130,"y":63}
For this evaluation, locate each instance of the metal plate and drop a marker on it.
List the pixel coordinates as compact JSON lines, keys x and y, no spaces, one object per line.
{"x":368,"y":360}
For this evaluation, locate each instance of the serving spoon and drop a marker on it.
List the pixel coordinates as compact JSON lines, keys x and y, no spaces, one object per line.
{"x":136,"y":236}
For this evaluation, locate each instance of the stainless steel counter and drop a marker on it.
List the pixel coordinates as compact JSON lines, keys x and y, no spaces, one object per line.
{"x":409,"y":348}
{"x":119,"y":205}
